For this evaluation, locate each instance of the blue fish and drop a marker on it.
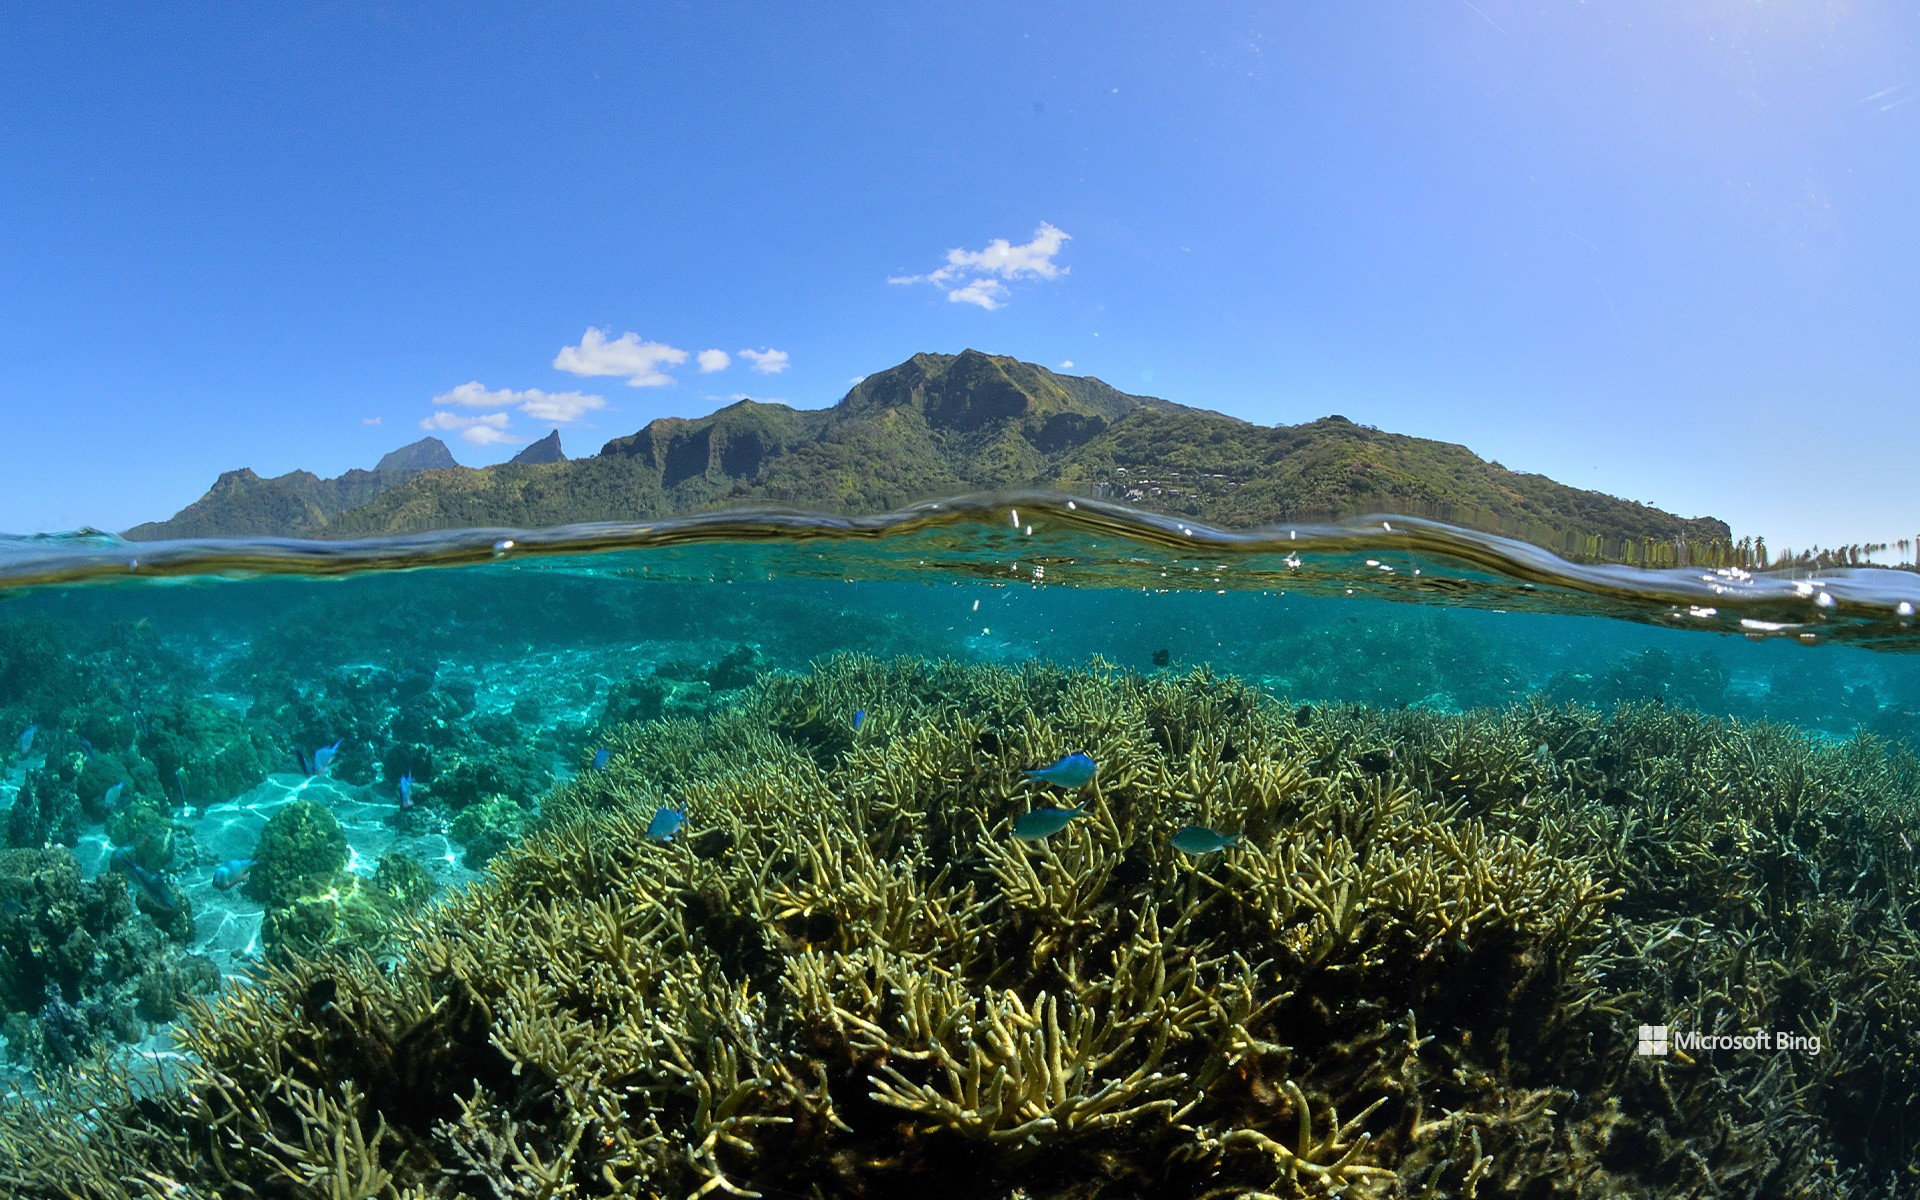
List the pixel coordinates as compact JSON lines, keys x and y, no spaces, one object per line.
{"x":1038,"y":823}
{"x":151,"y":882}
{"x":600,"y":758}
{"x":406,"y":790}
{"x":323,"y":757}
{"x":1198,"y":839}
{"x":666,"y":822}
{"x":231,"y":873}
{"x":87,"y":746}
{"x":113,"y":795}
{"x":859,"y":718}
{"x":26,"y":738}
{"x":1073,"y":771}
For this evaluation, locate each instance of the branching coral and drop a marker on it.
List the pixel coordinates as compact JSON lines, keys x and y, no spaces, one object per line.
{"x":1416,"y":974}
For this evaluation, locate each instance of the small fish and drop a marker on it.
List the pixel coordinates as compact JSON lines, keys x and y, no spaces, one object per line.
{"x":666,"y":822}
{"x":26,"y":738}
{"x":859,"y":718}
{"x":231,"y":873}
{"x":1198,"y":839}
{"x":323,"y":757}
{"x":1038,"y":823}
{"x":87,"y":746}
{"x":600,"y":758}
{"x":1073,"y":771}
{"x":1541,"y":754}
{"x":113,"y":795}
{"x":406,"y":790}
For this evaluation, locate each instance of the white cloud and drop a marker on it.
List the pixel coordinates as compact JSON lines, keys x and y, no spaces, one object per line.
{"x":767,"y":362}
{"x":712,"y":360}
{"x":626,"y":355}
{"x":483,"y":430}
{"x":370,"y":420}
{"x":987,"y":293}
{"x":482,"y":435}
{"x":973,"y":276}
{"x":856,"y":381}
{"x":1066,"y":364}
{"x":1008,"y":261}
{"x":558,"y":406}
{"x":544,"y":406}
{"x":474,"y":394}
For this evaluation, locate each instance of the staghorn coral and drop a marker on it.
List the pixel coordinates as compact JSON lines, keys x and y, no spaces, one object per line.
{"x":1417,"y":976}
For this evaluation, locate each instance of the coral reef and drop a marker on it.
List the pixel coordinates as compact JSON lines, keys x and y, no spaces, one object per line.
{"x":301,"y":852}
{"x":202,"y":752}
{"x":79,"y":966}
{"x":487,"y":828}
{"x":1418,"y":974}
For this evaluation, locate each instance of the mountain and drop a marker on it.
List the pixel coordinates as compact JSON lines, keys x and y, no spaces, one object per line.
{"x":546,"y":450}
{"x":297,"y":504}
{"x":427,"y":454}
{"x":942,"y":424}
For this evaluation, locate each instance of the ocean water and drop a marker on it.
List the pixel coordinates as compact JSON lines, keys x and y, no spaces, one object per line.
{"x":1534,"y":878}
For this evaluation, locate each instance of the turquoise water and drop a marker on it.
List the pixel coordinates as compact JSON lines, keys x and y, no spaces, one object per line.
{"x":490,"y":668}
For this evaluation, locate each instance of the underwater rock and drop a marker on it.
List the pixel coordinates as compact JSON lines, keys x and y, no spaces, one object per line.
{"x":159,"y":993}
{"x":463,"y":693}
{"x":360,"y":914}
{"x":463,"y":778}
{"x":203,"y":753}
{"x":146,"y":832}
{"x":431,"y":719}
{"x":84,"y":942}
{"x":735,"y":670}
{"x":637,"y":698}
{"x":45,"y":812}
{"x":302,"y":850}
{"x":485,"y":829}
{"x":497,"y":729}
{"x":38,"y":673}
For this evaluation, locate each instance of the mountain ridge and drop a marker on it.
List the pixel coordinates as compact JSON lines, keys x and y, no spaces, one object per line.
{"x":242,"y":503}
{"x":938,"y":425}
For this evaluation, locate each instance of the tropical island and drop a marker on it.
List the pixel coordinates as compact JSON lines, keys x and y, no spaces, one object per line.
{"x":937,"y":425}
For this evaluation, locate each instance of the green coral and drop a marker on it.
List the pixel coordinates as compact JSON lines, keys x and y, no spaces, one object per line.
{"x":79,"y":966}
{"x":145,"y":831}
{"x":465,"y":778}
{"x":204,"y":753}
{"x":1418,"y":975}
{"x":301,"y":852}
{"x":356,"y":914}
{"x":485,"y":829}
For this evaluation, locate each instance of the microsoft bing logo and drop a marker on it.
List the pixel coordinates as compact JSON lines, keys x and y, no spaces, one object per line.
{"x":1653,"y":1039}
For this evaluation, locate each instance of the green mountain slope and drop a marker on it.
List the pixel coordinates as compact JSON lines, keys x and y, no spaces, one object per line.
{"x":297,"y":504}
{"x":942,"y":424}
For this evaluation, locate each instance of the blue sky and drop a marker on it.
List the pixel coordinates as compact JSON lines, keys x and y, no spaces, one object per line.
{"x":1667,"y":251}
